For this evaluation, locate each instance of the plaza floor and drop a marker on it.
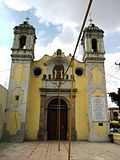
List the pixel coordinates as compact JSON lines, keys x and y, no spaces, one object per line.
{"x":48,"y":150}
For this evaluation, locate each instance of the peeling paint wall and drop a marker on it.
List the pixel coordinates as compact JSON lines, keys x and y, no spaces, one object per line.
{"x":3,"y":97}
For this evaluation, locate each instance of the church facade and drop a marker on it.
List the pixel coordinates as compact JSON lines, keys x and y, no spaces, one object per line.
{"x":34,"y":93}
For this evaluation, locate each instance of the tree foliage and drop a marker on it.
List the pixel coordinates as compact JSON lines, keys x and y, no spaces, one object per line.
{"x":115,"y":97}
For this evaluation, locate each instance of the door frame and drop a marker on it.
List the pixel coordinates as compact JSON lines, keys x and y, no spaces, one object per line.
{"x":46,"y":95}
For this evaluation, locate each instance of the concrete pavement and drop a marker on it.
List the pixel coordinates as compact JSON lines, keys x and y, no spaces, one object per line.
{"x":48,"y":150}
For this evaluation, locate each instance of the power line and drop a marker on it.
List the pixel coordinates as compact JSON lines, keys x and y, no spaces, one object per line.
{"x":80,"y":34}
{"x":111,"y":67}
{"x":113,"y":76}
{"x":72,"y":63}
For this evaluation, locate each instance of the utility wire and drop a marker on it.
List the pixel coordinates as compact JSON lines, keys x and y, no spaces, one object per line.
{"x":112,"y":76}
{"x":72,"y":63}
{"x":112,"y":67}
{"x":84,"y":21}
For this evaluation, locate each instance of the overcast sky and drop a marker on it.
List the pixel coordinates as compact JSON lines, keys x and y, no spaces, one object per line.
{"x":57,"y":24}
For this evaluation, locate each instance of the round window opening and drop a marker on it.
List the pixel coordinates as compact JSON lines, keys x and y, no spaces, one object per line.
{"x":37,"y":71}
{"x":79,"y":71}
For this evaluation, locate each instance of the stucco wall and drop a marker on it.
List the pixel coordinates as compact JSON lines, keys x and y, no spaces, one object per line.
{"x":81,"y":104}
{"x":3,"y":96}
{"x":34,"y":99}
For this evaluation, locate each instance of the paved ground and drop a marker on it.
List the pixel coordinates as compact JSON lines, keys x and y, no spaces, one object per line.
{"x":49,"y":151}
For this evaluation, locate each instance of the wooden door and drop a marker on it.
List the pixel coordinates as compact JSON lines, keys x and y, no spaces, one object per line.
{"x":52,"y":120}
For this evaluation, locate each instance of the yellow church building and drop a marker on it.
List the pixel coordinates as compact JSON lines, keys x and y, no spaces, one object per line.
{"x":32,"y":103}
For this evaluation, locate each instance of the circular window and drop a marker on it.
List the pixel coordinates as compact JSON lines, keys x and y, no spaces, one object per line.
{"x":37,"y":71}
{"x":79,"y":71}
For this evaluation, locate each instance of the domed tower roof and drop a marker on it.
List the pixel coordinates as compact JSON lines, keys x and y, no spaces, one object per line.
{"x":25,"y":27}
{"x":91,"y":30}
{"x":93,"y":27}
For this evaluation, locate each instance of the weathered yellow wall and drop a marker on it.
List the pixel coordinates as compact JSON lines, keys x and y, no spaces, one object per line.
{"x":19,"y":73}
{"x":3,"y":96}
{"x":34,"y":100}
{"x":81,"y":109}
{"x":33,"y":110}
{"x":97,"y":78}
{"x":100,"y":131}
{"x":13,"y":122}
{"x":18,"y":76}
{"x":16,"y":104}
{"x":96,"y":75}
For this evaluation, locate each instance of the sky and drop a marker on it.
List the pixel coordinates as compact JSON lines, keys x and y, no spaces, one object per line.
{"x":57,"y":24}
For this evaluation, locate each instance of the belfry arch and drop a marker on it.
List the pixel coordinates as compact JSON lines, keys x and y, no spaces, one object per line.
{"x":22,"y":42}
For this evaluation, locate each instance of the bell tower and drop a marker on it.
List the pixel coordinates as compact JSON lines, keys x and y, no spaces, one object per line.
{"x":93,"y":46}
{"x":17,"y":101}
{"x":93,"y":43}
{"x":24,"y":41}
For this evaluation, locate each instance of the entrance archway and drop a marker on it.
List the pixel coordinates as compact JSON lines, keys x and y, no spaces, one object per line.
{"x":52,"y":120}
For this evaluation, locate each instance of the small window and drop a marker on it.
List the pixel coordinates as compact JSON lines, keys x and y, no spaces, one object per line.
{"x":44,"y":76}
{"x":100,"y":124}
{"x":16,"y":97}
{"x":37,"y":71}
{"x":94,"y":45}
{"x":58,"y":71}
{"x":22,"y":42}
{"x":67,"y":76}
{"x":49,"y":76}
{"x":59,"y":52}
{"x":115,"y":115}
{"x":79,"y":71}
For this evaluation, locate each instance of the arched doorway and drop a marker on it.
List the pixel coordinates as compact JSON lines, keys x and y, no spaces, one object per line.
{"x":52,"y":120}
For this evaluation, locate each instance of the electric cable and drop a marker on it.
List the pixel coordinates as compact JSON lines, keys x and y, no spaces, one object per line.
{"x":72,"y":63}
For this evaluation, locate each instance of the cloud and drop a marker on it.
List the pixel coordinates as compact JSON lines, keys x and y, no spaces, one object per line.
{"x":65,"y":40}
{"x":118,"y":29}
{"x":5,"y":53}
{"x":106,"y":13}
{"x":49,"y":11}
{"x":17,"y":4}
{"x":5,"y":62}
{"x":70,"y":13}
{"x":68,"y":35}
{"x":110,"y":61}
{"x":41,"y":37}
{"x":118,"y":47}
{"x":112,"y":74}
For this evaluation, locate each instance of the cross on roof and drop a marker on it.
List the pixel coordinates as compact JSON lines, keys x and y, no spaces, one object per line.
{"x":90,"y":20}
{"x":27,"y":18}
